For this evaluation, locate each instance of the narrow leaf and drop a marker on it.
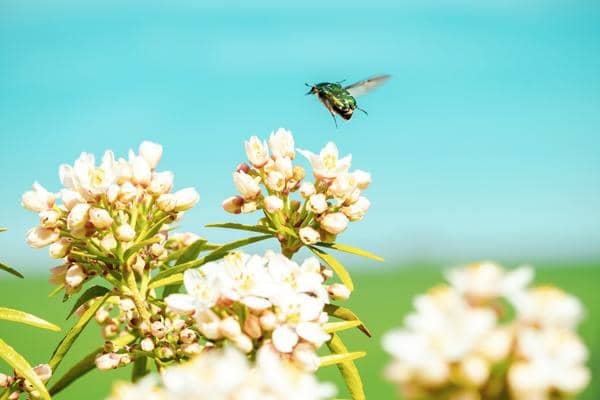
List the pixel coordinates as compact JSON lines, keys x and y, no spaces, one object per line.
{"x":65,"y":344}
{"x":57,"y":289}
{"x":10,"y":270}
{"x":23,"y":368}
{"x":84,"y":366}
{"x":350,"y":249}
{"x":89,"y":294}
{"x":337,"y":266}
{"x":141,"y":368}
{"x":243,"y":227}
{"x":156,"y":227}
{"x":332,"y":327}
{"x":170,"y":280}
{"x":347,"y":315}
{"x":348,"y":369}
{"x":334,"y":359}
{"x":9,"y":314}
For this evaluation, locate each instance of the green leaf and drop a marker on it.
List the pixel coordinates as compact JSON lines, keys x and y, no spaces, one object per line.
{"x":243,"y":227}
{"x":169,"y":280}
{"x":9,"y":314}
{"x":332,"y":327}
{"x":89,"y":294}
{"x":141,"y":368}
{"x":348,"y":369}
{"x":190,"y":254}
{"x":346,"y":315}
{"x":214,"y":255}
{"x":65,"y":344}
{"x":156,"y":227}
{"x":84,"y":366}
{"x":350,"y":249}
{"x":334,"y":359}
{"x":337,"y":266}
{"x":10,"y":270}
{"x":57,"y":289}
{"x":23,"y":368}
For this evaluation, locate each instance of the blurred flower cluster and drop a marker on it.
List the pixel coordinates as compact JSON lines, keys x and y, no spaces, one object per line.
{"x":254,"y":301}
{"x":489,"y":335}
{"x":111,"y":216}
{"x":325,"y":207}
{"x":19,"y":384}
{"x":227,"y":375}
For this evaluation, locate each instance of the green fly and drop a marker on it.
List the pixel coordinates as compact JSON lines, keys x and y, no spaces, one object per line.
{"x":340,"y":99}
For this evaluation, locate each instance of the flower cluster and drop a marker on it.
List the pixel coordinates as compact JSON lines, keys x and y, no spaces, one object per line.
{"x":227,"y":375}
{"x":328,"y":204}
{"x":106,"y":210}
{"x":22,"y":385}
{"x":460,"y":342}
{"x":252,"y":301}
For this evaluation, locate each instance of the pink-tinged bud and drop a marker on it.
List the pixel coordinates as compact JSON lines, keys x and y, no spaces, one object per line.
{"x":243,"y":342}
{"x":151,"y":153}
{"x":112,"y":193}
{"x":191,"y":349}
{"x":158,"y":330}
{"x":363,"y":179}
{"x":166,"y":202}
{"x":147,"y":345}
{"x":38,"y":199}
{"x":281,"y":144}
{"x":249,"y":206}
{"x":233,"y":204}
{"x":60,"y":248}
{"x":188,"y":336}
{"x":252,"y":327}
{"x":309,"y":236}
{"x":268,"y":321}
{"x":157,"y":249}
{"x":230,"y":327}
{"x":108,"y":242}
{"x":334,"y":223}
{"x":100,"y":218}
{"x":273,"y":204}
{"x":186,"y":199}
{"x":317,"y":203}
{"x":257,"y":151}
{"x":161,"y":183}
{"x":284,"y":339}
{"x":307,"y":189}
{"x":275,"y":181}
{"x":339,"y":291}
{"x":6,"y":381}
{"x":75,"y":276}
{"x":142,"y":174}
{"x":41,"y":237}
{"x":78,"y":217}
{"x":101,"y":315}
{"x":126,"y":304}
{"x":107,"y":361}
{"x":49,"y":218}
{"x":178,"y":324}
{"x":43,"y":371}
{"x":246,"y":185}
{"x":125,"y":233}
{"x":243,"y":167}
{"x":327,"y":273}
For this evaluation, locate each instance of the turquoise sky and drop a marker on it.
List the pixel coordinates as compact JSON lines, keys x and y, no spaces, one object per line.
{"x":486,"y":142}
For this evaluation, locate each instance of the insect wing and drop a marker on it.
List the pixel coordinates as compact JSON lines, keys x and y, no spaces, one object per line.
{"x":363,"y":87}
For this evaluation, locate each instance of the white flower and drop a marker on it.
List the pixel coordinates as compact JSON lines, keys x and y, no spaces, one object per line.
{"x":100,"y":218}
{"x":281,"y":144}
{"x":357,"y":210}
{"x":125,"y":233}
{"x":273,"y":204}
{"x":78,"y":217}
{"x":108,"y":361}
{"x":327,"y":164}
{"x":317,"y":203}
{"x":257,"y":151}
{"x":151,"y":152}
{"x":246,"y":185}
{"x":549,"y":306}
{"x":40,"y":237}
{"x":284,"y":339}
{"x":75,"y":276}
{"x":38,"y":199}
{"x":161,"y":183}
{"x":60,"y":248}
{"x":87,"y":179}
{"x":71,"y":198}
{"x":343,"y":185}
{"x":284,"y":166}
{"x":166,"y":202}
{"x":142,"y":173}
{"x":363,"y":179}
{"x":49,"y":218}
{"x":307,"y":189}
{"x":186,"y":199}
{"x":309,"y":236}
{"x":334,"y":223}
{"x":275,"y":181}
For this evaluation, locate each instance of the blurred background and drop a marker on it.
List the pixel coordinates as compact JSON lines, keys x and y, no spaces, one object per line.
{"x":485,"y":144}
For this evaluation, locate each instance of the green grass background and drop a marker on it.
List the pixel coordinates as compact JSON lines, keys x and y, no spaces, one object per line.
{"x":381,"y":300}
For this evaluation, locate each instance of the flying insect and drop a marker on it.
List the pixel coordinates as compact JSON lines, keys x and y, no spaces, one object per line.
{"x":341,"y":100}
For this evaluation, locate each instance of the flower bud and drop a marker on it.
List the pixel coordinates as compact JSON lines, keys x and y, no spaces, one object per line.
{"x":142,"y":174}
{"x":338,"y":291}
{"x":108,"y":242}
{"x":78,"y":217}
{"x":257,"y":151}
{"x":191,"y":349}
{"x":252,"y":327}
{"x":273,"y":204}
{"x":275,"y":181}
{"x":474,"y":370}
{"x":157,"y":249}
{"x":309,"y":236}
{"x":60,"y":248}
{"x":246,"y":185}
{"x":41,"y":237}
{"x":233,"y":204}
{"x":124,"y":360}
{"x":363,"y":179}
{"x":101,"y":315}
{"x":75,"y":276}
{"x":357,"y":210}
{"x":139,"y":264}
{"x":165,"y":353}
{"x":110,"y":330}
{"x":107,"y":361}
{"x":304,"y":354}
{"x":38,"y":199}
{"x":100,"y":218}
{"x":249,"y":206}
{"x":158,"y":329}
{"x":268,"y":321}
{"x":161,"y":183}
{"x":49,"y":218}
{"x":112,"y":193}
{"x":147,"y":345}
{"x":243,"y":342}
{"x":284,"y":339}
{"x":186,"y":199}
{"x":243,"y":167}
{"x":125,"y":233}
{"x":126,"y":304}
{"x":230,"y":327}
{"x":128,"y":192}
{"x":298,"y":173}
{"x":284,"y":166}
{"x":166,"y":202}
{"x":151,"y":153}
{"x":43,"y":371}
{"x":334,"y":223}
{"x":281,"y":144}
{"x":5,"y":381}
{"x":71,"y":198}
{"x":188,"y":336}
{"x":317,"y":203}
{"x":307,"y":189}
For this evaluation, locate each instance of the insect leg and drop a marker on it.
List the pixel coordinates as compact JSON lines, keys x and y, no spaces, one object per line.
{"x":334,"y":120}
{"x":358,"y":108}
